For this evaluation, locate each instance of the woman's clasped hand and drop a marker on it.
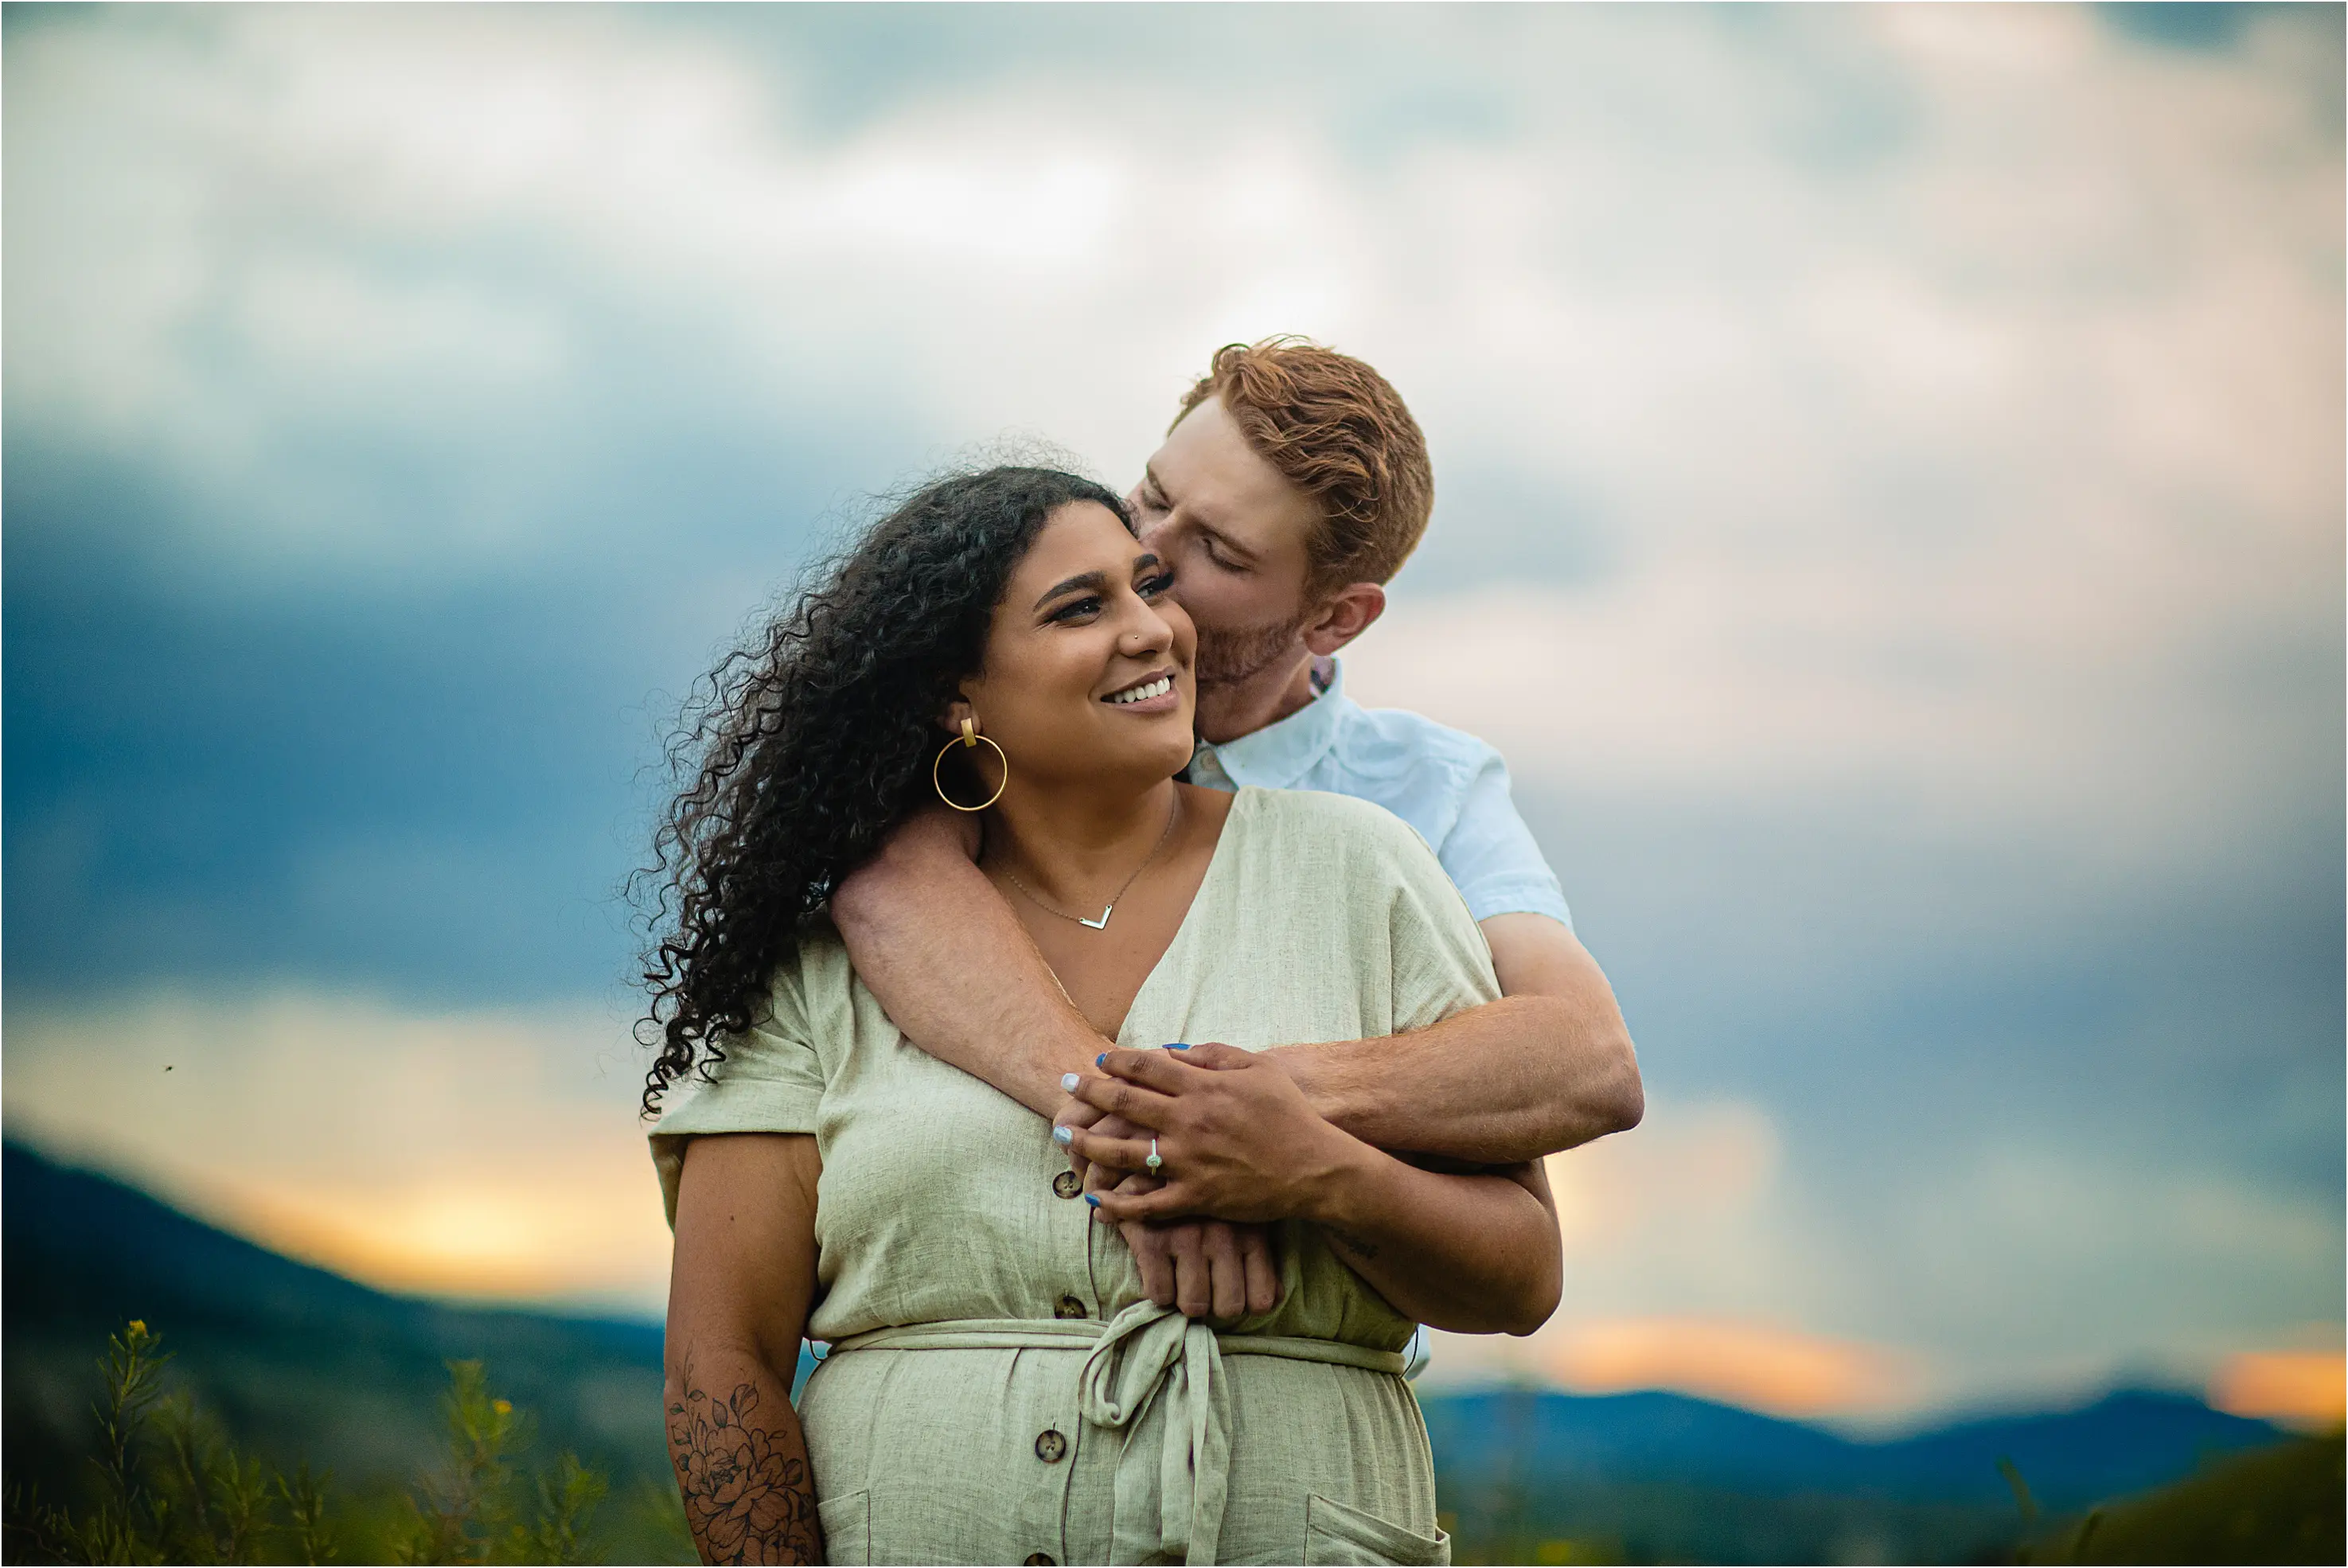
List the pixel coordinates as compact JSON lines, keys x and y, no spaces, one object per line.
{"x":1235,"y":1137}
{"x":1204,"y":1246}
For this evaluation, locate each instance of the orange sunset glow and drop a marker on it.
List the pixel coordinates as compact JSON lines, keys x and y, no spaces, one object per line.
{"x":1756,"y":1365}
{"x":597,"y":1233}
{"x":2295,"y":1388}
{"x":478,"y":1155}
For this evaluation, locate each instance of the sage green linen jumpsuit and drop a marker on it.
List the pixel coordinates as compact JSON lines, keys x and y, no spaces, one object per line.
{"x":999,"y":1388}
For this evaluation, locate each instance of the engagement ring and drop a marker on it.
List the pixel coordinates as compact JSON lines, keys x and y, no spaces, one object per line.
{"x":1153,"y":1161}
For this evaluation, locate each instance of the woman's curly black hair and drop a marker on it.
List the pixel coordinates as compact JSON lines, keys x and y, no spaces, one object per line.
{"x":815,"y":738}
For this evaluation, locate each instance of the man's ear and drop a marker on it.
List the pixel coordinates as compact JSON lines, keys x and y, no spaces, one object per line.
{"x":1345,"y":615}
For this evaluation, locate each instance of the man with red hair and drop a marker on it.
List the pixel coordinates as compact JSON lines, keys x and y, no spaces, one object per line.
{"x":1291,"y":487}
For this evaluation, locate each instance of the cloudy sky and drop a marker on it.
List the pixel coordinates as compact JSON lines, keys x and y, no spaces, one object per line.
{"x":1890,"y":467}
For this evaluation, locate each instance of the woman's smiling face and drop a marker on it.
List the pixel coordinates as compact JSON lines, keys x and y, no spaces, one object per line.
{"x":1088,"y":671}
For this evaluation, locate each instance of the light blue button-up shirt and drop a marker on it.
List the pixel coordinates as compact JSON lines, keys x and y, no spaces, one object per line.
{"x":1450,"y":786}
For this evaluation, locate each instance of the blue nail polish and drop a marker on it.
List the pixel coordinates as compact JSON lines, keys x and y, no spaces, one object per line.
{"x":1178,"y":1048}
{"x":1101,"y":1060}
{"x":1063,"y":1136}
{"x":1068,"y":1082}
{"x":1094,"y":1199}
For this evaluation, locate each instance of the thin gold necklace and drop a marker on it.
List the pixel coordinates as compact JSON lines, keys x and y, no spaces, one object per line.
{"x":1172,"y":817}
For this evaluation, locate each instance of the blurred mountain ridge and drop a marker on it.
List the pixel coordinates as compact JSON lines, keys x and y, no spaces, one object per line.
{"x":2126,"y":1441}
{"x":294,"y":1359}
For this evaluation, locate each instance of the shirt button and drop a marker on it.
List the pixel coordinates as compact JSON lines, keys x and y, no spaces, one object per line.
{"x":1050,"y":1447}
{"x":1037,"y":1559}
{"x":1070,"y":1307}
{"x":1067,"y":1183}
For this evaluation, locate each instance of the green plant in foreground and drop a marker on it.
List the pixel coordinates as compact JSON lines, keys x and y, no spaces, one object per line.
{"x":2280,"y":1503}
{"x":462,"y":1511}
{"x":464,"y":1514}
{"x":120,"y":1526}
{"x":306,"y":1513}
{"x":566,"y":1501}
{"x":169,"y":1487}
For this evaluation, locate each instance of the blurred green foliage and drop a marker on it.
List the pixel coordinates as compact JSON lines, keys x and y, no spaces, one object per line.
{"x":2282,"y":1504}
{"x":1579,"y":1520}
{"x":165,"y":1484}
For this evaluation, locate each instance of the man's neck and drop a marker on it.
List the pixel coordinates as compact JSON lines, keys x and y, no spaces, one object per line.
{"x":1228,"y":712}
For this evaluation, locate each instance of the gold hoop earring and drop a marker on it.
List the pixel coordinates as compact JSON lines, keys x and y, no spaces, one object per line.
{"x":970,"y":736}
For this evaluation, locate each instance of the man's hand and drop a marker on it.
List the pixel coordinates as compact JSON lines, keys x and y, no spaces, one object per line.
{"x":1206,"y":1267}
{"x":1236,"y":1139}
{"x":1076,"y":1116}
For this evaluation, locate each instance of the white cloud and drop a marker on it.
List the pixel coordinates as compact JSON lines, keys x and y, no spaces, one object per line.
{"x":2118,"y":739}
{"x":332,"y":329}
{"x":1901,"y":437}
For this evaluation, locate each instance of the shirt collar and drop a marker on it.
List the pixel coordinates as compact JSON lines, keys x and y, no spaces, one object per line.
{"x":1279,"y":754}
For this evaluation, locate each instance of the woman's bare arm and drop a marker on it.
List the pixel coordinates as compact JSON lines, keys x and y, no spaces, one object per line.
{"x":1475,"y":1253}
{"x":740,"y":1288}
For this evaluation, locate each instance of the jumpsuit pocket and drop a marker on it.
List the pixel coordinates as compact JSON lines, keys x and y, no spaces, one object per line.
{"x":847,"y":1524}
{"x":1334,"y":1533}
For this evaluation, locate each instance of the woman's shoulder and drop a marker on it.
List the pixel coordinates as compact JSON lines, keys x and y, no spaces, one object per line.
{"x":1279,"y":817}
{"x":810,"y":983}
{"x":812,"y":975}
{"x":1354,"y":859}
{"x":1331,"y":845}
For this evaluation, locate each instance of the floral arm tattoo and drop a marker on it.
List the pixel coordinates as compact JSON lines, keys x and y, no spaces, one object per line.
{"x":748,"y":1496}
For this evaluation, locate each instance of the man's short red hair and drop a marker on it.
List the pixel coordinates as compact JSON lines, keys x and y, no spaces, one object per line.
{"x":1339,"y":433}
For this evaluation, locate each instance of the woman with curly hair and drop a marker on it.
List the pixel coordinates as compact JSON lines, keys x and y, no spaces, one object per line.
{"x":999,"y":1386}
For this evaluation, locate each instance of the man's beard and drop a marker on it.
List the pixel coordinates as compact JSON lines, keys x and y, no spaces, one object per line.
{"x":1228,"y":658}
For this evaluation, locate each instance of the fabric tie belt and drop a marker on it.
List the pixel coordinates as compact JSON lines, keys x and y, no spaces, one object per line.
{"x":1143,"y":1352}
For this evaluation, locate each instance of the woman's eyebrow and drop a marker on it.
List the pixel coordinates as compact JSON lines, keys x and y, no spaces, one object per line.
{"x":1144,"y":562}
{"x":1095,"y":581}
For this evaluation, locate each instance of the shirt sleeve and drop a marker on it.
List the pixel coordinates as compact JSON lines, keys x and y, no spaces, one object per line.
{"x":771,"y":1080}
{"x":1490,"y":853}
{"x":1441,"y":964}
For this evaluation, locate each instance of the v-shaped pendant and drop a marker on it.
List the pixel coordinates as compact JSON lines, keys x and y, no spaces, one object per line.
{"x":1102,"y":922}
